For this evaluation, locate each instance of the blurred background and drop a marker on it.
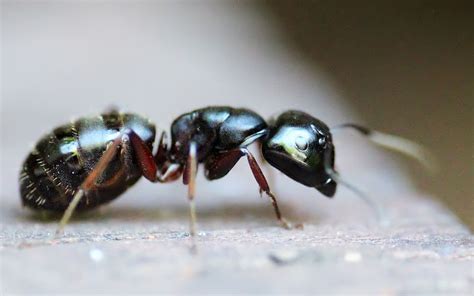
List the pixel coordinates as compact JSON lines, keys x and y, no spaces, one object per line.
{"x":405,"y":67}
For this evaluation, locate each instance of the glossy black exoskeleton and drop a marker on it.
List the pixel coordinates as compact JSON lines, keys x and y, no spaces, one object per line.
{"x":60,"y":162}
{"x":93,"y":160}
{"x":296,"y":145}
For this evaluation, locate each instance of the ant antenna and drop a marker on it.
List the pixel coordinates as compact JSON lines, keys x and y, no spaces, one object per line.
{"x":396,"y":143}
{"x":379,"y":212}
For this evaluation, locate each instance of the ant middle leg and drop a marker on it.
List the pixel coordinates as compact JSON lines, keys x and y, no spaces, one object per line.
{"x":219,"y":165}
{"x":168,"y":172}
{"x":189,"y":178}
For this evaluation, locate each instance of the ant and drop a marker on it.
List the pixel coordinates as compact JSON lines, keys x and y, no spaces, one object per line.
{"x":93,"y":160}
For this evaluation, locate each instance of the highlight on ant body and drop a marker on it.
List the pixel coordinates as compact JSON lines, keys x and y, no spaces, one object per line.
{"x":93,"y":160}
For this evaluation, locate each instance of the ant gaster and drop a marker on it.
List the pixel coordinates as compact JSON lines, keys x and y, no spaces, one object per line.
{"x":93,"y":160}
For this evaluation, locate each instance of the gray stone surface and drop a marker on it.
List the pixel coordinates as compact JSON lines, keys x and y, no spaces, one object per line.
{"x":240,"y":250}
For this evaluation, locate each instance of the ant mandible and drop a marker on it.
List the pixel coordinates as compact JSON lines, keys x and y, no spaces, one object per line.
{"x":91,"y":161}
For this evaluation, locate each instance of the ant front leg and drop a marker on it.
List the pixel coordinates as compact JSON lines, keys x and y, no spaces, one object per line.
{"x":167,"y":171}
{"x":172,"y":172}
{"x":219,"y":165}
{"x":264,"y":187}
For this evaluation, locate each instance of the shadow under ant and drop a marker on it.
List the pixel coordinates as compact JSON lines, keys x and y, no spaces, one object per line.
{"x":227,"y":213}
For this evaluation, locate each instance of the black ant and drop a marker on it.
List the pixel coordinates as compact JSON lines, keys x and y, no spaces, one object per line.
{"x":91,"y":161}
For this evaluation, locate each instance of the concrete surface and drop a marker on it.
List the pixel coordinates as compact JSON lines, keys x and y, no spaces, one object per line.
{"x":67,"y":59}
{"x":240,"y":250}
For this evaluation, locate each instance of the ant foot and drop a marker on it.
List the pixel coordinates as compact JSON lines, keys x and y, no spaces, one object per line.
{"x":285,"y":224}
{"x":299,"y":226}
{"x":58,"y":233}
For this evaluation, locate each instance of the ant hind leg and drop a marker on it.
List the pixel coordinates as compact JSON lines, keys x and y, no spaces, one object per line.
{"x":89,"y":183}
{"x":129,"y":141}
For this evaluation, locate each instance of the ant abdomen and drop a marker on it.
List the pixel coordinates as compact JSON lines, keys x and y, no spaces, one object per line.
{"x":63,"y":158}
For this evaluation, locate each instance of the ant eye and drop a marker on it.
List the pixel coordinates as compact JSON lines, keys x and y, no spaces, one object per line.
{"x":322,"y":141}
{"x":301,"y":143}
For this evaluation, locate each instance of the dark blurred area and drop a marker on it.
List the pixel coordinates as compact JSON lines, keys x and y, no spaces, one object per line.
{"x":407,"y":67}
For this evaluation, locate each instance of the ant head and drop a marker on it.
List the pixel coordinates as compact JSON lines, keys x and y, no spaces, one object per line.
{"x":296,"y":145}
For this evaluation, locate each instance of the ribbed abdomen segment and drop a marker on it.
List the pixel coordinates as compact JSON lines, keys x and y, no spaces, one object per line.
{"x":54,"y":171}
{"x":42,"y":188}
{"x":38,"y":190}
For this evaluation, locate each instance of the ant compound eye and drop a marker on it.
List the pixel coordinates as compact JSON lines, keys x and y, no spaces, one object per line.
{"x":322,"y":141}
{"x":301,"y":143}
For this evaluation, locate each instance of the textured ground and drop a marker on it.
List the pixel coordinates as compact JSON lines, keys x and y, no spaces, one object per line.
{"x":143,"y":249}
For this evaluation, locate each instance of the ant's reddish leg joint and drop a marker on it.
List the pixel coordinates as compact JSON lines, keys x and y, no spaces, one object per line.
{"x":145,"y":158}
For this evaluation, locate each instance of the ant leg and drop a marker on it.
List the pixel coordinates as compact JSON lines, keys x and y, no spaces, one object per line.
{"x":69,"y":211}
{"x":381,"y":217}
{"x":172,"y":173}
{"x":264,"y":187}
{"x":147,"y":163}
{"x":270,"y":173}
{"x":89,"y":182}
{"x":167,"y":172}
{"x":144,"y":157}
{"x":218,"y":165}
{"x":126,"y":155}
{"x":161,"y":154}
{"x":189,"y":178}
